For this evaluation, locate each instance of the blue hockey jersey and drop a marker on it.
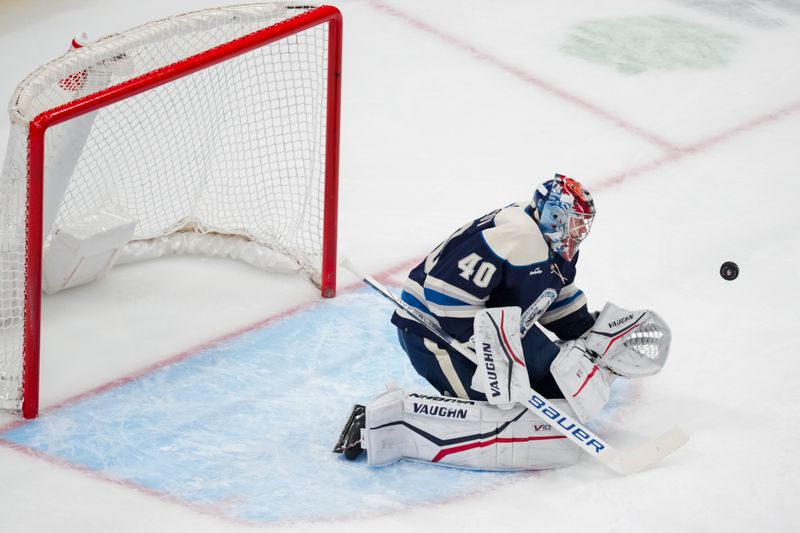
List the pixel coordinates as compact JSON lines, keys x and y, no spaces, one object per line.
{"x":500,"y":259}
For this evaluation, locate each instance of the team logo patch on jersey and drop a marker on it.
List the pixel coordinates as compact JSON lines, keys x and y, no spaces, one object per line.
{"x":557,"y":271}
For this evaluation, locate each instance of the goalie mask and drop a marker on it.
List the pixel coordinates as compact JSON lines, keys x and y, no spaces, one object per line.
{"x":566,"y":211}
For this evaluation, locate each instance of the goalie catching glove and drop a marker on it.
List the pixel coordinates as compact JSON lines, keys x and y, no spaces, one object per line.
{"x":632,"y":344}
{"x":621,"y":343}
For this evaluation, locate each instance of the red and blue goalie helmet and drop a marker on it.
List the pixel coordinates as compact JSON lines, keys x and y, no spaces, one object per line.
{"x":565,"y":211}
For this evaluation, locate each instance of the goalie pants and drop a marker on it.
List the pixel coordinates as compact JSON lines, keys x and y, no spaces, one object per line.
{"x":451,"y":373}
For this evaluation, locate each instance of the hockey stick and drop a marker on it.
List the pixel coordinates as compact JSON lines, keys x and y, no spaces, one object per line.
{"x":621,"y":462}
{"x":528,"y":319}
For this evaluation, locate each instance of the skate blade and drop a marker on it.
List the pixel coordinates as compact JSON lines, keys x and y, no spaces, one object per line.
{"x":340,"y":444}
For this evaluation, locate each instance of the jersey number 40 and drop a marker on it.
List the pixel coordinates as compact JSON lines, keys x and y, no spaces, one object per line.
{"x":482,"y":274}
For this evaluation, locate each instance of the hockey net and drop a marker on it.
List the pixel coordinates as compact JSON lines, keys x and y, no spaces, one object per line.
{"x":214,"y":132}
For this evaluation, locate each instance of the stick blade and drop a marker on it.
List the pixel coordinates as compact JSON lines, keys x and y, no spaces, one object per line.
{"x":630,"y":462}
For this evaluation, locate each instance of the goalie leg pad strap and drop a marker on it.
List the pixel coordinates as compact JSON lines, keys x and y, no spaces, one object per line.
{"x":461,"y":433}
{"x":585,"y":385}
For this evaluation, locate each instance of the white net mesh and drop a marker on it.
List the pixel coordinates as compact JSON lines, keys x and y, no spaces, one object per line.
{"x":235,"y":149}
{"x":12,"y":268}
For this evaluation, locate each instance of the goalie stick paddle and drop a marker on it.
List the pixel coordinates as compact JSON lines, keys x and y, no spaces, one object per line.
{"x":620,"y":461}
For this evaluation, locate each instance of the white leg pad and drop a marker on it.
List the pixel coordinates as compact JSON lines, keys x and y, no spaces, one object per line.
{"x":461,"y":433}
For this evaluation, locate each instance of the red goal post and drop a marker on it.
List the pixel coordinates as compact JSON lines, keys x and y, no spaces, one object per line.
{"x":247,"y":96}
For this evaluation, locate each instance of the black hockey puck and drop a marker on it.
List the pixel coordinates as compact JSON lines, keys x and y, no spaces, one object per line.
{"x":729,"y":270}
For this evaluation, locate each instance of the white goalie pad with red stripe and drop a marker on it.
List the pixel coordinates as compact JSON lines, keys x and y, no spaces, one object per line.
{"x":501,"y":373}
{"x":461,"y":433}
{"x":585,"y":385}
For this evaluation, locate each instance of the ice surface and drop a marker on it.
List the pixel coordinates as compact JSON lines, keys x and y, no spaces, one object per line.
{"x":239,"y":427}
{"x":450,"y":110}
